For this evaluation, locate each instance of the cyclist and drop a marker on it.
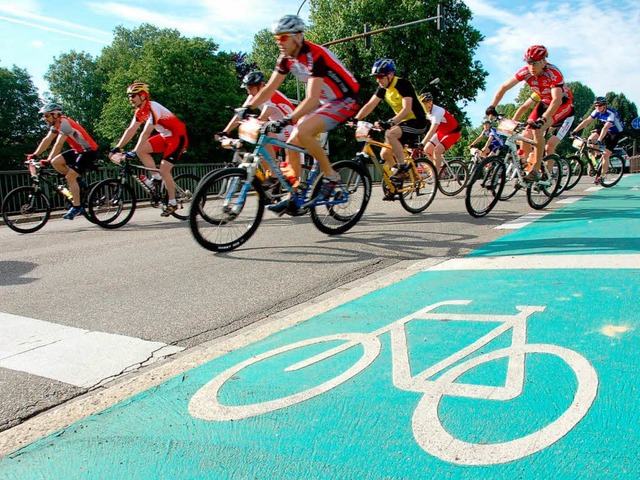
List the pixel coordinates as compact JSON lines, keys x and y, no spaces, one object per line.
{"x":329,"y":101}
{"x":494,"y":140}
{"x":71,"y":163}
{"x":170,"y":139}
{"x":555,"y":104}
{"x":443,"y":133}
{"x":608,"y":132}
{"x":273,"y":109}
{"x":410,"y":117}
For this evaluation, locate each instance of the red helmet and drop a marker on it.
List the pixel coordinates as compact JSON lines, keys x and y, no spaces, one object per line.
{"x":535,"y":53}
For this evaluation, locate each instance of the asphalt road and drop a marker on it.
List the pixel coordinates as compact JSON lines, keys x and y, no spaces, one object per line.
{"x":150,"y":279}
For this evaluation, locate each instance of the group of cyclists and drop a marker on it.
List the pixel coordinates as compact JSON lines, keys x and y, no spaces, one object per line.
{"x":331,"y":100}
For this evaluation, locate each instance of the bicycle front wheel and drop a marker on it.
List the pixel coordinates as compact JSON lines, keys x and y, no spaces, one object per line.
{"x":186,"y":185}
{"x":540,"y":193}
{"x":565,"y":170}
{"x":111,"y":203}
{"x":25,"y":210}
{"x":418,"y":192}
{"x":223,"y":216}
{"x":614,"y":172}
{"x":453,"y":177}
{"x":349,"y":202}
{"x":575,"y":167}
{"x":485,"y":187}
{"x":512,"y":183}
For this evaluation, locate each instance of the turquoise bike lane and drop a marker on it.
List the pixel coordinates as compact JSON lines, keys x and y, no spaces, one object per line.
{"x":517,"y":361}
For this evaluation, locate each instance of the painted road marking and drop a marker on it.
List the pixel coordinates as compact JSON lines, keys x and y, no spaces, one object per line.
{"x":72,"y":355}
{"x":522,"y":221}
{"x":569,"y":200}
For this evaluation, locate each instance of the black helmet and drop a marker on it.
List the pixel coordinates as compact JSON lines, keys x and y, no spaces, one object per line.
{"x":288,"y":24}
{"x":50,"y":108}
{"x":426,"y":97}
{"x":252,"y":79}
{"x":600,"y":101}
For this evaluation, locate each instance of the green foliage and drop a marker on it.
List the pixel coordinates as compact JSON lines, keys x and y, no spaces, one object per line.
{"x":20,"y":125}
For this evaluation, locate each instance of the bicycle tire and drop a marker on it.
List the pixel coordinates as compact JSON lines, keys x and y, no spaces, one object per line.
{"x":540,"y":194}
{"x":112,"y":203}
{"x":566,"y":175}
{"x":336,"y":218}
{"x":25,"y":210}
{"x":206,"y":405}
{"x":512,"y":183}
{"x":214,"y":223}
{"x":454,"y":178}
{"x":615,"y":171}
{"x":423,"y":186}
{"x":485,"y":186}
{"x":186,"y":184}
{"x":575,"y":165}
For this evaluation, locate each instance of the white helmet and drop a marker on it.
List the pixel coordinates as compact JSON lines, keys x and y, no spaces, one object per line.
{"x":288,"y":24}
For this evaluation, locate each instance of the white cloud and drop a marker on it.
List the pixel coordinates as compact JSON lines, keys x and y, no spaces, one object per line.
{"x":37,"y":43}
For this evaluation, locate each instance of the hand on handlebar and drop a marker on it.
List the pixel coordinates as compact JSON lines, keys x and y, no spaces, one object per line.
{"x":537,"y":124}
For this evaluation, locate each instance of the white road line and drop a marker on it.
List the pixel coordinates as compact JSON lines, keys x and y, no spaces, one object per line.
{"x":526,"y":262}
{"x":569,"y":200}
{"x":522,"y":221}
{"x":72,"y":355}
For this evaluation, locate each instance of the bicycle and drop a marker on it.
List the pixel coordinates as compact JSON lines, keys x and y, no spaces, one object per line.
{"x":27,"y":209}
{"x":228,"y":206}
{"x":436,"y":382}
{"x":589,"y":159}
{"x":112,"y":202}
{"x":416,"y":192}
{"x":488,"y":178}
{"x":453,"y":176}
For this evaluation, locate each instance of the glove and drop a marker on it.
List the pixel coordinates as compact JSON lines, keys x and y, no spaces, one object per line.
{"x":491,"y":110}
{"x":597,"y":143}
{"x":279,"y":125}
{"x":220,"y":135}
{"x":242,"y":112}
{"x":537,"y":124}
{"x":386,"y":125}
{"x":115,"y":150}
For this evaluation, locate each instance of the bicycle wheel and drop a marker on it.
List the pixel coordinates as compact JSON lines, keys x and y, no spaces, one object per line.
{"x":575,"y":166}
{"x":485,"y":187}
{"x":540,"y":193}
{"x":565,"y":170}
{"x":186,"y":184}
{"x":205,"y":403}
{"x":26,"y":210}
{"x":453,"y":177}
{"x":614,"y":173}
{"x":112,"y":203}
{"x":418,"y":191}
{"x":341,"y":214}
{"x":219,"y":218}
{"x":511,"y":184}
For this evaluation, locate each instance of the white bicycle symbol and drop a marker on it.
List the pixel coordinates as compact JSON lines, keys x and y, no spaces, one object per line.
{"x":427,"y":426}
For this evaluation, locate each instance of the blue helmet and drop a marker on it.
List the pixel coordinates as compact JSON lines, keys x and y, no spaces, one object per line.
{"x":384,"y":66}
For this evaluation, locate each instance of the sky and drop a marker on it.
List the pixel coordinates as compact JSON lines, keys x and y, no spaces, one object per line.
{"x":596,"y":42}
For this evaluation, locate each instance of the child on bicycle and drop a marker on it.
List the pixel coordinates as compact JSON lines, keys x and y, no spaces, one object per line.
{"x":494,"y":141}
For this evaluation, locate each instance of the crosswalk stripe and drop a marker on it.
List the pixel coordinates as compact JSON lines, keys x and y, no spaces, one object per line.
{"x":72,"y":355}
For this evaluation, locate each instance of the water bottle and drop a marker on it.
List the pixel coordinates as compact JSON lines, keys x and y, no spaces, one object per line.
{"x":65,"y":191}
{"x":147,"y":181}
{"x":142,"y":182}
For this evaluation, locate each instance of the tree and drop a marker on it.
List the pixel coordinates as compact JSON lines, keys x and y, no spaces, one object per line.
{"x":20,"y":124}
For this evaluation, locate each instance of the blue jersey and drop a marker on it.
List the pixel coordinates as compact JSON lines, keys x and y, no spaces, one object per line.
{"x":496,"y":139}
{"x":609,"y":115}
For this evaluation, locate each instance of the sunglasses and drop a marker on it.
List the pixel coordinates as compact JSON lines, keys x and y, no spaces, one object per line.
{"x":600,"y":104}
{"x":533,"y":62}
{"x":132,"y":95}
{"x":380,"y":76}
{"x":283,"y":37}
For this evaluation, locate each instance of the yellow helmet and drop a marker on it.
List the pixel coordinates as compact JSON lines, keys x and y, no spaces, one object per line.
{"x":138,"y":88}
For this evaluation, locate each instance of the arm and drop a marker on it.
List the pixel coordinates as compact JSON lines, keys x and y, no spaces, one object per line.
{"x":57,"y":147}
{"x":128,"y":133}
{"x":267,"y":111}
{"x":556,"y":101}
{"x":267,"y":92}
{"x":604,"y":130}
{"x":582,"y":124}
{"x":476,"y":140}
{"x":311,"y":100}
{"x":144,"y":136}
{"x":523,"y":108}
{"x":44,"y":144}
{"x":368,"y":107}
{"x":506,"y":86}
{"x":407,"y":103}
{"x":430,"y":133}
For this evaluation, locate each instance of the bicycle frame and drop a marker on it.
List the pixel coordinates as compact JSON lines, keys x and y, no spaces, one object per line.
{"x":582,"y":147}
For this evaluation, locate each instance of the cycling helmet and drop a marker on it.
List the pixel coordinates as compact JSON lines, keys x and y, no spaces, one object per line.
{"x":288,"y":24}
{"x":384,"y":66}
{"x":600,"y":101}
{"x":139,"y":88}
{"x":486,"y":120}
{"x":50,"y":108}
{"x":535,"y":53}
{"x":426,"y":97}
{"x":252,"y":79}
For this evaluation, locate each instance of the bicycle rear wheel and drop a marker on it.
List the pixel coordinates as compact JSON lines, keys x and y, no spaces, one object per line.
{"x":219,"y":218}
{"x":338,"y":215}
{"x":575,"y":166}
{"x":111,"y":203}
{"x":565,"y":170}
{"x":453,"y":178}
{"x":512,"y":183}
{"x":186,"y":185}
{"x":418,"y":192}
{"x":614,"y":173}
{"x":485,"y":187}
{"x":540,"y":193}
{"x":25,"y":210}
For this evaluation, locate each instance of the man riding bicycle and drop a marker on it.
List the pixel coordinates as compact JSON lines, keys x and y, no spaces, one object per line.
{"x":608,"y":132}
{"x":71,"y":163}
{"x":170,"y":139}
{"x":329,"y":101}
{"x":547,"y":82}
{"x":410,"y":117}
{"x":494,"y":141}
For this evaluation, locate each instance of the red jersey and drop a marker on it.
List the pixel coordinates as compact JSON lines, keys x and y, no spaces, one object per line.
{"x":317,"y":61}
{"x":550,"y":78}
{"x":77,"y":136}
{"x":165,"y":122}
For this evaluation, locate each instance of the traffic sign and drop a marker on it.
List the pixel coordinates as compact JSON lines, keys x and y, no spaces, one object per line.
{"x":635,"y":123}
